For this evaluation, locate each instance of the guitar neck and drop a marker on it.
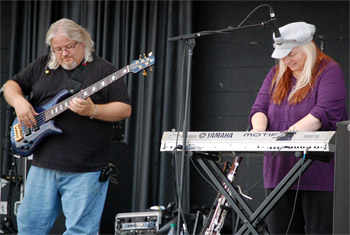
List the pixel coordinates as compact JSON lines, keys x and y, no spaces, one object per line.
{"x":83,"y":94}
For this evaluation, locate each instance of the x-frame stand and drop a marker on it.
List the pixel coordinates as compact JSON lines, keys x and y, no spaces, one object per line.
{"x":251,"y":219}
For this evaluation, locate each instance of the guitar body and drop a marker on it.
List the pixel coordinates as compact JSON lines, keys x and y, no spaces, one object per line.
{"x":33,"y":136}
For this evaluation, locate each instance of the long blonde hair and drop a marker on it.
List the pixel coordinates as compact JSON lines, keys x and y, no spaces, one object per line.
{"x":72,"y":31}
{"x":282,"y":83}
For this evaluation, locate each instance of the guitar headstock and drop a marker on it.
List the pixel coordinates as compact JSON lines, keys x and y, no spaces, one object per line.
{"x":142,"y":63}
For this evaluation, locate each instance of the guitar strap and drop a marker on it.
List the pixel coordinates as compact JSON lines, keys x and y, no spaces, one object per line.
{"x":77,"y":78}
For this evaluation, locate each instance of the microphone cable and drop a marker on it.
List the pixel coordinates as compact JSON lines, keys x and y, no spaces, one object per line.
{"x":256,"y":8}
{"x":240,"y":24}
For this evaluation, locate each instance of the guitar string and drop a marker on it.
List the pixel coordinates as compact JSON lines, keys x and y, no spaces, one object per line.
{"x":60,"y":107}
{"x":40,"y":118}
{"x":46,"y":115}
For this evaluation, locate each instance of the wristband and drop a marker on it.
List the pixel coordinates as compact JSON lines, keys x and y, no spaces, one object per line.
{"x":94,"y":115}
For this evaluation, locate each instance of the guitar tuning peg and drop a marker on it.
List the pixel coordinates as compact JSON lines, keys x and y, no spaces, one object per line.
{"x":144,"y":73}
{"x":151,"y":69}
{"x":144,"y":55}
{"x":150,"y":54}
{"x":140,"y":57}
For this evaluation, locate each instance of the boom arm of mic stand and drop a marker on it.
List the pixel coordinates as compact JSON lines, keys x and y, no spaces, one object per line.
{"x":209,"y":32}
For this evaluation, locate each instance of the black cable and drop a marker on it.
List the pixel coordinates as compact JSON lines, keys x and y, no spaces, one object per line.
{"x":174,"y":162}
{"x":18,"y":186}
{"x":224,"y":31}
{"x":4,"y":142}
{"x":265,"y":173}
{"x":296,"y":194}
{"x":207,"y":180}
{"x":7,"y":138}
{"x":256,"y":8}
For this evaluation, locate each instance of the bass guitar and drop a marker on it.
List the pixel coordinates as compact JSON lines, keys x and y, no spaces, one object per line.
{"x":24,"y":140}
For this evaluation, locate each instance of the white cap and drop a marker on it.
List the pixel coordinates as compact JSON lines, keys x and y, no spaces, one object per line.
{"x":293,"y":35}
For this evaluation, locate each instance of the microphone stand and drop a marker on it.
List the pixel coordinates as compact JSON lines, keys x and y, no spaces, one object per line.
{"x":190,"y":38}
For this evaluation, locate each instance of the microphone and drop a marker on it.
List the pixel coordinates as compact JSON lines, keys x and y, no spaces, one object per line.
{"x":278,"y":38}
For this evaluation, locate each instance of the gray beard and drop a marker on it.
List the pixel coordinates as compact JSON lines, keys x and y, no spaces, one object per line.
{"x":71,"y":66}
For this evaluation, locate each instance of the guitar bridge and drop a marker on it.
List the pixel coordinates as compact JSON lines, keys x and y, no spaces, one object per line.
{"x":17,"y":133}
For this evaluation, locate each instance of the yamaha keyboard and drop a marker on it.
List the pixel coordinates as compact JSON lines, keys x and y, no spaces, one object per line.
{"x":222,"y":141}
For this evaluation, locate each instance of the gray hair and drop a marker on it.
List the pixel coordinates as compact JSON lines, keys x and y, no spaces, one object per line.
{"x":72,"y":31}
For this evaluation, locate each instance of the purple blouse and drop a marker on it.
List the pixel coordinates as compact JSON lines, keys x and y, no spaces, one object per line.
{"x":327,"y":102}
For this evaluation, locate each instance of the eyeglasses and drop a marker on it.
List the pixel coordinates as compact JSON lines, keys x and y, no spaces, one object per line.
{"x":69,"y":48}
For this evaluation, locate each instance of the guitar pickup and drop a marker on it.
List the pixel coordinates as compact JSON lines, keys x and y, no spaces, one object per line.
{"x":36,"y":127}
{"x":27,"y":131}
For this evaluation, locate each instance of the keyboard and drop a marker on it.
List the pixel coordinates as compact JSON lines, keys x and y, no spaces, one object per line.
{"x":202,"y":141}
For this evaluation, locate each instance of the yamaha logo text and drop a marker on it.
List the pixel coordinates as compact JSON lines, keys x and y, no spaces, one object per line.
{"x":217,"y":135}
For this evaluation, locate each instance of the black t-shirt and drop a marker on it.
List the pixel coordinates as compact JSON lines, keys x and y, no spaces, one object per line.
{"x":85,"y":144}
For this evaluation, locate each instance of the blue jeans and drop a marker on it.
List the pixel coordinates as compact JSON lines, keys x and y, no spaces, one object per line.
{"x":80,"y":195}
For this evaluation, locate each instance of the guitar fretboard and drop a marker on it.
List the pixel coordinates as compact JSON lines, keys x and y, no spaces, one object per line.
{"x":83,"y":94}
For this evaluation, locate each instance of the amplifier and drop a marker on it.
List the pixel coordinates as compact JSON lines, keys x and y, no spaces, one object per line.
{"x":138,"y":222}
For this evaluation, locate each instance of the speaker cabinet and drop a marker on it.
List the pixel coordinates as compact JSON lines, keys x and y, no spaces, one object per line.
{"x":341,"y":188}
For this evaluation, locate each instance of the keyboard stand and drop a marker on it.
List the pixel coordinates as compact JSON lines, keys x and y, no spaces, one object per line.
{"x":252,"y":220}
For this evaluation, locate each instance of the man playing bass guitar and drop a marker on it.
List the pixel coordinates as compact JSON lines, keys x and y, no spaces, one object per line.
{"x":67,"y":164}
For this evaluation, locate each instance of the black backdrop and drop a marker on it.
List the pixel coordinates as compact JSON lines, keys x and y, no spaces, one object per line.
{"x":227,"y":73}
{"x":122,"y":30}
